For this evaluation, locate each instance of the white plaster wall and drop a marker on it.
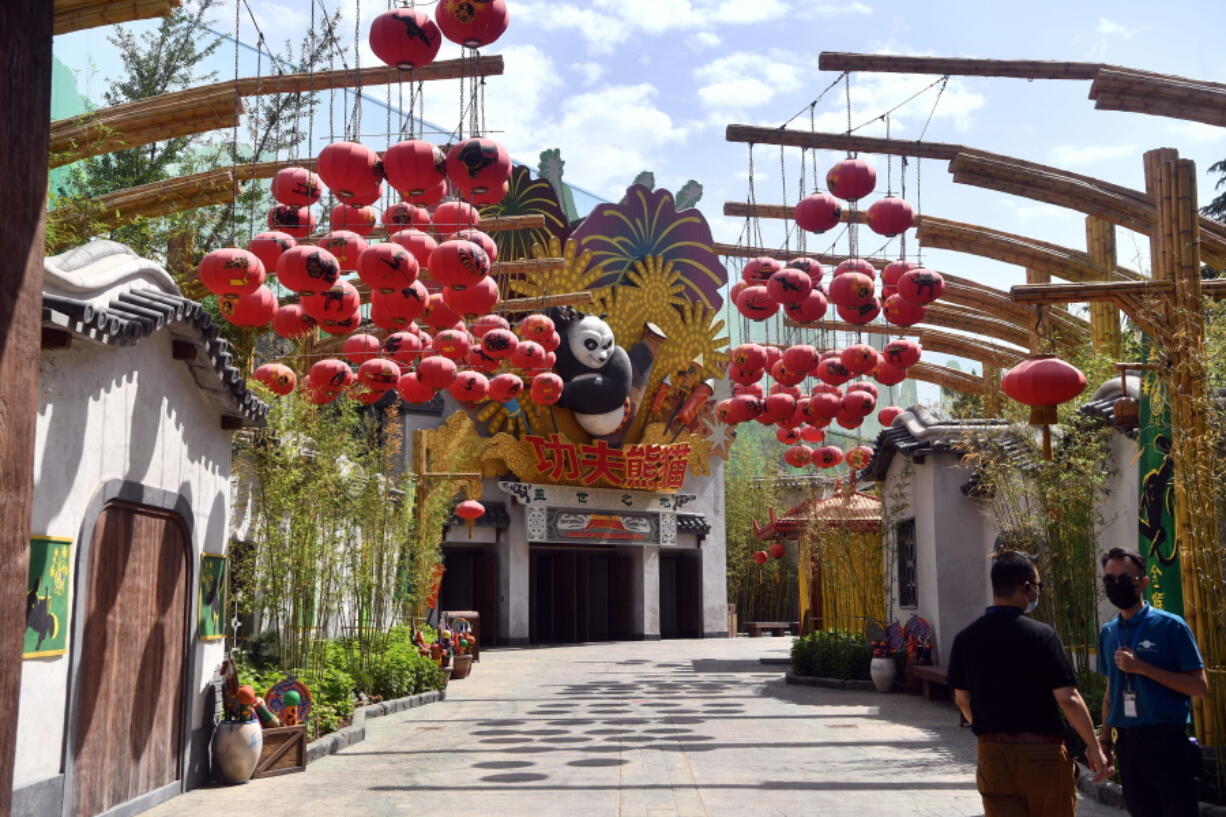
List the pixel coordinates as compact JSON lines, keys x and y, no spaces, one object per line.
{"x":514,"y":567}
{"x":963,"y":541}
{"x":897,"y":492}
{"x":926,"y":570}
{"x":109,"y":413}
{"x":711,"y":503}
{"x":1117,"y":507}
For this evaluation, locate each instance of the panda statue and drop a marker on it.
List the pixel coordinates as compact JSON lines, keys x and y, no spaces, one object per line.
{"x":595,"y":370}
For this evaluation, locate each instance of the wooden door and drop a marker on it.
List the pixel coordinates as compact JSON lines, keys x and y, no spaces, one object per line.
{"x":127,"y":734}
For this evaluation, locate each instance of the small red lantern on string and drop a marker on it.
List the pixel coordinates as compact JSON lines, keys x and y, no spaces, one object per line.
{"x":473,"y":299}
{"x":901,"y":312}
{"x":396,"y":309}
{"x":386,"y":266}
{"x":887,"y":415}
{"x":436,"y":372}
{"x":402,"y":215}
{"x":488,"y":323}
{"x":723,"y":412}
{"x":895,"y":270}
{"x":798,"y":456}
{"x":823,"y":406}
{"x":335,"y":304}
{"x":813,"y":308}
{"x":858,"y":457}
{"x":789,"y":286}
{"x":749,"y":356}
{"x":865,"y":313}
{"x":848,"y":420}
{"x":890,"y":216}
{"x":777,"y":550}
{"x":348,"y":168}
{"x":546,"y":388}
{"x":831,"y":371}
{"x":358,"y":349}
{"x":296,"y":186}
{"x":787,"y":436}
{"x":279,"y":378}
{"x":472,"y":24}
{"x":859,"y":358}
{"x":297,"y":222}
{"x":800,"y":358}
{"x":354,"y":218}
{"x":818,"y":212}
{"x":451,"y":216}
{"x":231,"y":271}
{"x":778,"y":407}
{"x":379,"y":374}
{"x":268,"y":247}
{"x":745,"y":407}
{"x":470,"y":510}
{"x":812,"y":434}
{"x":755,"y":303}
{"x":437,"y":314}
{"x":477,"y":237}
{"x":499,"y":343}
{"x":307,"y":269}
{"x":856,"y":265}
{"x":405,"y":38}
{"x":330,"y":374}
{"x":369,"y":195}
{"x":1043,"y":382}
{"x":479,"y":361}
{"x":256,"y":308}
{"x":888,"y":374}
{"x":858,"y":403}
{"x":902,"y":353}
{"x":341,"y":326}
{"x":469,"y":387}
{"x":864,"y":386}
{"x":743,"y":376}
{"x":536,"y":327}
{"x":529,"y":356}
{"x":851,"y":289}
{"x":506,"y":387}
{"x":828,"y":456}
{"x":761,"y":557}
{"x":851,"y":179}
{"x":402,"y":347}
{"x":346,"y":247}
{"x":491,"y":195}
{"x":921,"y":286}
{"x":451,"y":343}
{"x":418,"y":243}
{"x":477,"y":165}
{"x":458,"y":263}
{"x":292,"y":322}
{"x":785,"y":376}
{"x":414,"y":168}
{"x":412,"y":390}
{"x":809,"y":266}
{"x":759,"y":270}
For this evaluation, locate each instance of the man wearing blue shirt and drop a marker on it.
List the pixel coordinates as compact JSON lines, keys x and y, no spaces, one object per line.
{"x":1153,"y":670}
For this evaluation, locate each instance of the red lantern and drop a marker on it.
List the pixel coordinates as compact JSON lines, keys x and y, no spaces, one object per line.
{"x":822,"y":406}
{"x":921,"y":286}
{"x":418,"y":243}
{"x":458,"y":263}
{"x":360,"y":220}
{"x":488,"y":323}
{"x":777,"y":550}
{"x":379,"y":374}
{"x":723,"y":412}
{"x":499,"y":343}
{"x":789,"y":286}
{"x":1043,"y":382}
{"x":848,"y":420}
{"x":858,"y":403}
{"x":341,"y":326}
{"x":735,"y":291}
{"x":451,"y":216}
{"x":492,"y":195}
{"x":812,"y":434}
{"x":813,"y":308}
{"x":827,"y":456}
{"x":476,"y":299}
{"x":412,"y":390}
{"x":832,"y":372}
{"x":437,"y":314}
{"x":253,"y":309}
{"x":330,"y":374}
{"x":469,"y":387}
{"x":402,"y":347}
{"x":859,"y":314}
{"x":859,"y":358}
{"x":349,"y":168}
{"x":895,"y":270}
{"x":890,"y":216}
{"x":528,"y":355}
{"x":414,"y":168}
{"x":746,"y":407}
{"x":268,"y":247}
{"x":798,"y":456}
{"x":760,"y":557}
{"x":479,"y":361}
{"x":358,"y":349}
{"x":478,"y":165}
{"x":370,"y":195}
{"x":778,"y":407}
{"x":856,"y":265}
{"x":864,"y":386}
{"x":477,"y":237}
{"x":451,"y":343}
{"x":396,"y":309}
{"x":297,"y":222}
{"x":787,"y":436}
{"x":759,"y":270}
{"x":506,"y":387}
{"x":405,"y":39}
{"x":851,"y":289}
{"x":887,"y":415}
{"x":296,"y":186}
{"x":902,"y":353}
{"x":546,"y":388}
{"x":888,"y":374}
{"x":744,"y":376}
{"x":810,"y":267}
{"x":436,"y":372}
{"x":780,"y":388}
{"x":307,"y":269}
{"x":859,"y":457}
{"x":231,"y":271}
{"x":319,"y":397}
{"x":755,"y":303}
{"x":472,"y":24}
{"x":292,"y":322}
{"x":402,"y":215}
{"x":749,"y":356}
{"x":786,"y":376}
{"x":279,"y":378}
{"x":536,"y":327}
{"x":851,"y":179}
{"x":818,"y":212}
{"x":800,"y":358}
{"x":346,"y":247}
{"x":902,"y":312}
{"x":386,"y":267}
{"x":335,"y":304}
{"x":469,"y":509}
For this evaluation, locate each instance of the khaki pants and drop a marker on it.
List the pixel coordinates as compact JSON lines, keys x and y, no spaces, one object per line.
{"x":1026,"y":780}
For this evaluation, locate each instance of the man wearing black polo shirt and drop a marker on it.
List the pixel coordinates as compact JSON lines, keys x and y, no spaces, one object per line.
{"x":1012,"y":679}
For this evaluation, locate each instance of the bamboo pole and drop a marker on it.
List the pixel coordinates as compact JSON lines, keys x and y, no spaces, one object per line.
{"x":1041,"y":327}
{"x":1104,"y":316}
{"x":991,"y":391}
{"x":1022,"y":69}
{"x":76,"y":16}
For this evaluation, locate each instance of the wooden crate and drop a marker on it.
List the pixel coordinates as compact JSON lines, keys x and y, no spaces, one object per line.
{"x":284,"y":751}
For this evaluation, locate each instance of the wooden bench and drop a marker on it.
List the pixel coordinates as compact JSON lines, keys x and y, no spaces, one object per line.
{"x":755,"y":628}
{"x":936,"y":681}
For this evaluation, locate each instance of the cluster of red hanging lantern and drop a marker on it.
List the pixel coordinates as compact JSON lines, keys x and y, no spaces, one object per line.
{"x":406,"y":38}
{"x":852,"y":180}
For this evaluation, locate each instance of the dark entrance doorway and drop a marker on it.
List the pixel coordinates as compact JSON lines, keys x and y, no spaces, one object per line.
{"x":471,"y":583}
{"x":579,"y":595}
{"x":680,"y":595}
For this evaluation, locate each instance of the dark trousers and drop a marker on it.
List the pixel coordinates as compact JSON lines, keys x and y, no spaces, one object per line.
{"x":1026,"y":780}
{"x":1159,"y":770}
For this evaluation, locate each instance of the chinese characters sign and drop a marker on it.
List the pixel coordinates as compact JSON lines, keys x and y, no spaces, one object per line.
{"x":47,"y":597}
{"x":598,"y":498}
{"x":1156,"y":504}
{"x":635,"y":467}
{"x":563,"y":525}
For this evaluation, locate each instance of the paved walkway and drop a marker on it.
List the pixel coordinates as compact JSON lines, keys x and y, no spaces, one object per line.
{"x":658,"y":729}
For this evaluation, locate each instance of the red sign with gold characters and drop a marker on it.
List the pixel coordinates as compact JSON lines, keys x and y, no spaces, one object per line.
{"x":634,"y":467}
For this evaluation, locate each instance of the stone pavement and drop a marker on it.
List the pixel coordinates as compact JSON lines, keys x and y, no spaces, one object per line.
{"x":650,"y":729}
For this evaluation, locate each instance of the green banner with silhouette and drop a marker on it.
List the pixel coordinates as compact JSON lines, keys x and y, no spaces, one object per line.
{"x":1156,"y":503}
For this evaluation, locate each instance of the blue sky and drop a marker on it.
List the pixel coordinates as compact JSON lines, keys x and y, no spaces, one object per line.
{"x":628,"y":85}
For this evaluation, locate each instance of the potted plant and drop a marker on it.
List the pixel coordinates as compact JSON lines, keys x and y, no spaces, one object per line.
{"x":885,"y":643}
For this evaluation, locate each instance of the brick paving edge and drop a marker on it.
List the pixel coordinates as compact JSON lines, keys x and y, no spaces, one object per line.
{"x":333,"y":742}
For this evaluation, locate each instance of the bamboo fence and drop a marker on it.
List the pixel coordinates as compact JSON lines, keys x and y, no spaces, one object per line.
{"x":76,"y":15}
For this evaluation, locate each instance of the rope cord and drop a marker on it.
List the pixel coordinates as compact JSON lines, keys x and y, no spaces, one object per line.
{"x":941,"y":81}
{"x":816,"y":100}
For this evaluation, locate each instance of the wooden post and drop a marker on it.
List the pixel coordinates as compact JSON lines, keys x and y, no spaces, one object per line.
{"x":991,"y":391}
{"x":25,"y":102}
{"x":1104,"y":315}
{"x":1041,"y":328}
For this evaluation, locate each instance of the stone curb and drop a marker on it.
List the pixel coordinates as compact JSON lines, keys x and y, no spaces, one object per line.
{"x":830,"y":683}
{"x":356,"y":732}
{"x":1113,"y":795}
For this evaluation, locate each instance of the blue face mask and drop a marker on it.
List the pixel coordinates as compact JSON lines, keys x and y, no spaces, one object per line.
{"x":1030,"y":608}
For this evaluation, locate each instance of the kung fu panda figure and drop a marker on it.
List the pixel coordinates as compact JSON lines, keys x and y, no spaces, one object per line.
{"x":595,"y":370}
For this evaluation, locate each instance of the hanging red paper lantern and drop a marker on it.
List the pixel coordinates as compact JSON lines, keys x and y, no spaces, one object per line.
{"x":787,"y":436}
{"x":785,"y":375}
{"x":735,"y":291}
{"x":902,"y":353}
{"x":436,"y":372}
{"x":405,"y":38}
{"x":297,"y":222}
{"x":851,"y":179}
{"x":488,"y":323}
{"x":789,"y":286}
{"x":895,"y":270}
{"x":478,"y":165}
{"x":864,"y":313}
{"x":296,"y":186}
{"x":335,"y":304}
{"x":402,"y":215}
{"x":414,"y":168}
{"x":779,"y":407}
{"x":472,"y":24}
{"x":476,"y":299}
{"x":812,"y":434}
{"x":831,"y":371}
{"x":358,"y":349}
{"x":307,"y":269}
{"x":901,"y":312}
{"x":412,"y":390}
{"x":402,"y":347}
{"x":451,"y":216}
{"x":760,"y":557}
{"x":387,"y":266}
{"x":470,"y":509}
{"x":777,"y":550}
{"x":859,"y":358}
{"x":268,"y":247}
{"x":887,"y":415}
{"x":747,"y":388}
{"x":800,"y":358}
{"x":319,"y":397}
{"x":479,"y":361}
{"x":292,"y":322}
{"x":546,"y":388}
{"x":755,"y":303}
{"x":1043,"y":382}
{"x":851,"y":289}
{"x":888,"y":374}
{"x":477,"y":237}
{"x":365,"y":196}
{"x":348,"y":168}
{"x":848,"y":420}
{"x":346,"y":247}
{"x":890,"y":216}
{"x":489,"y":196}
{"x":451,"y":343}
{"x":864,"y":386}
{"x":379,"y":374}
{"x":279,"y":378}
{"x":855,"y":265}
{"x":341,"y":326}
{"x":859,"y":457}
{"x":330,"y":374}
{"x":780,"y":388}
{"x":395,"y":310}
{"x":231,"y":271}
{"x":813,"y":308}
{"x":469,"y":387}
{"x":818,"y":212}
{"x":798,"y":456}
{"x":810,"y":267}
{"x":759,"y":270}
{"x":746,"y":408}
{"x":536,"y":327}
{"x":458,"y":263}
{"x":437,"y":314}
{"x":921,"y":286}
{"x":506,"y":387}
{"x":360,"y":220}
{"x":743,"y":375}
{"x":858,"y":403}
{"x":528,"y":355}
{"x":418,"y":243}
{"x":822,"y":406}
{"x":723,"y":412}
{"x":749,"y":356}
{"x":828,"y":456}
{"x":499,"y":343}
{"x":256,"y":308}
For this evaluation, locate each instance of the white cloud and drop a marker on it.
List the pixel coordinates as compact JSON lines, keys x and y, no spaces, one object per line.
{"x":874,"y":94}
{"x":733,"y":83}
{"x":704,"y":39}
{"x":529,"y":83}
{"x":746,"y":11}
{"x":602,"y":32}
{"x":590,"y":71}
{"x":1071,"y":155}
{"x":844,"y":10}
{"x":1197,"y":132}
{"x":1112,"y":28}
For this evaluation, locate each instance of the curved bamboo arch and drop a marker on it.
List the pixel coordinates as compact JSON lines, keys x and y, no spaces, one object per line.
{"x":948,"y":378}
{"x":77,"y":15}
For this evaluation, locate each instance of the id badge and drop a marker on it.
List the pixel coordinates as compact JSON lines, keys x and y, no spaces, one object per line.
{"x":1130,"y":704}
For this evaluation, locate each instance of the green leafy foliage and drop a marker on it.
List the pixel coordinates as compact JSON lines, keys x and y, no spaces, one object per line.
{"x":832,"y":654}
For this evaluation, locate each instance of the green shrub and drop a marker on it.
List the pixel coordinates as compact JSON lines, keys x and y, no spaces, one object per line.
{"x":832,"y":654}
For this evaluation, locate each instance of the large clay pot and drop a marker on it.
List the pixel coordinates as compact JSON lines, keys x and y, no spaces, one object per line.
{"x":236,"y":749}
{"x":460,"y":666}
{"x":881,"y":670}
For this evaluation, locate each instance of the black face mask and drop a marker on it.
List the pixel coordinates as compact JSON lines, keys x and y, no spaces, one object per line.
{"x":1122,"y":596}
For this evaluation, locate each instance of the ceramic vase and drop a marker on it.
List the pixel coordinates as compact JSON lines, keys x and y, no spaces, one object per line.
{"x":236,"y":749}
{"x":882,"y":670}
